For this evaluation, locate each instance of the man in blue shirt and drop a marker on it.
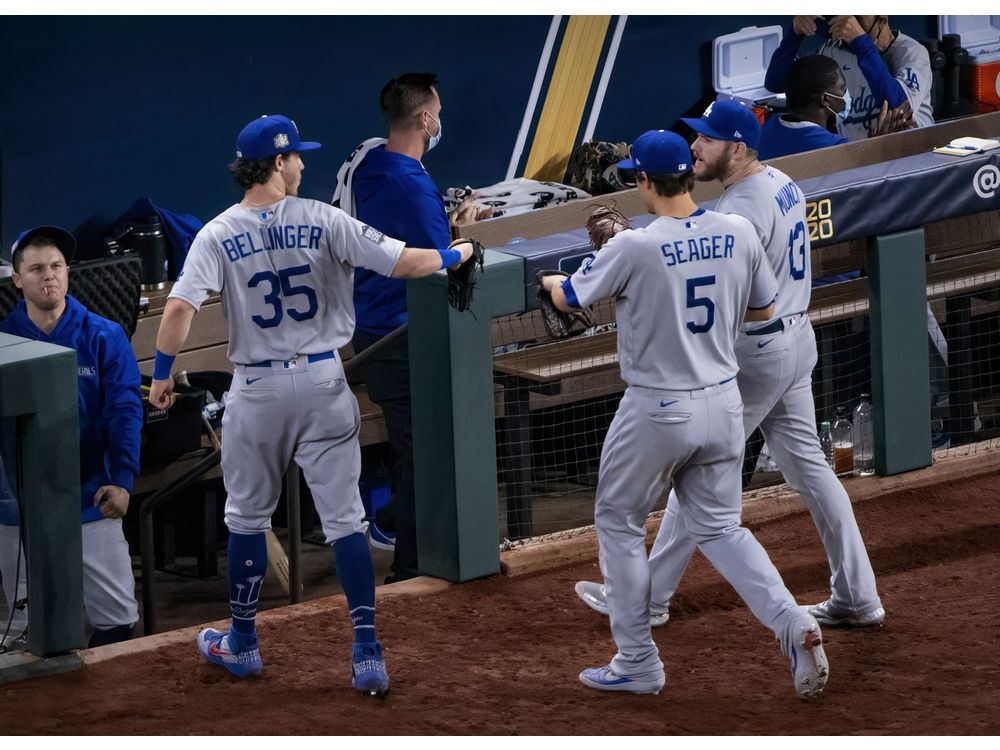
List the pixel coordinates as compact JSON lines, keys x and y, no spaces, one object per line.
{"x":817,"y":97}
{"x":392,"y":191}
{"x":110,"y":398}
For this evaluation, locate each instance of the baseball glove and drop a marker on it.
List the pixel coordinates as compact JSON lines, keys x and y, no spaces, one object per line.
{"x":559,"y":324}
{"x":603,"y":223}
{"x":462,"y":280}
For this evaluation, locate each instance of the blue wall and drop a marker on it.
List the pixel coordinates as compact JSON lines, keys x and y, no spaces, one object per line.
{"x":99,"y":111}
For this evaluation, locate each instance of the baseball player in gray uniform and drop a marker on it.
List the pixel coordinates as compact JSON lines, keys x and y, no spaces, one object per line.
{"x":776,"y":361}
{"x":284,"y":266}
{"x":683,"y":285}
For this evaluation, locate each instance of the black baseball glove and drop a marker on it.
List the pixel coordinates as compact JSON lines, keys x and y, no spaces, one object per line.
{"x":462,"y":280}
{"x":603,"y":223}
{"x":559,"y":324}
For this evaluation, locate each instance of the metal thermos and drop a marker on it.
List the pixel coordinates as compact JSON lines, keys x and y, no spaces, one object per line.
{"x":150,"y":243}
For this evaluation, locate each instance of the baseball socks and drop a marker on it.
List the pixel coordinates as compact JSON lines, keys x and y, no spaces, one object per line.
{"x":247,"y":566}
{"x":356,"y":574}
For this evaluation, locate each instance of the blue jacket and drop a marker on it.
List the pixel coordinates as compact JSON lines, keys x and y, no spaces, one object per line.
{"x":394,"y":194}
{"x":110,"y":395}
{"x":781,"y":138}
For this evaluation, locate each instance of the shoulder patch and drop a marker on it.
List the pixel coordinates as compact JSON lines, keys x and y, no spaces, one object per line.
{"x":371,"y":233}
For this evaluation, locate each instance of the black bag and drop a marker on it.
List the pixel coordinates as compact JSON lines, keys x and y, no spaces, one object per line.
{"x":167,"y":435}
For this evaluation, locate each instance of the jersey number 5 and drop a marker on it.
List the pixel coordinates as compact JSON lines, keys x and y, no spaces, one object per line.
{"x":706,"y":302}
{"x":279,"y":292}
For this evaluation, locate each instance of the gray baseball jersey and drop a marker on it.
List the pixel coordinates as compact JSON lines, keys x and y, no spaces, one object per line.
{"x":682,"y":287}
{"x":908,"y":61}
{"x":286,"y":274}
{"x":776,"y":207}
{"x":776,"y":382}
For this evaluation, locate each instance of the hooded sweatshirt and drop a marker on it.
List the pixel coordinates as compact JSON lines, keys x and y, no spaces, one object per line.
{"x":394,"y":194}
{"x":109,"y":395}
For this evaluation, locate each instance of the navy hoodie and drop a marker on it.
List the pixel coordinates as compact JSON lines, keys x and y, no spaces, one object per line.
{"x":110,"y":395}
{"x":394,"y":194}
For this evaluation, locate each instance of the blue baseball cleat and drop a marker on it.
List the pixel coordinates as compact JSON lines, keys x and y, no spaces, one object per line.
{"x":380,"y":539}
{"x":368,"y":669}
{"x":215,"y":647}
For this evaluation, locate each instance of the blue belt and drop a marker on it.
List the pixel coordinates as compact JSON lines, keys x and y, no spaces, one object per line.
{"x":285,"y":362}
{"x":775,"y":326}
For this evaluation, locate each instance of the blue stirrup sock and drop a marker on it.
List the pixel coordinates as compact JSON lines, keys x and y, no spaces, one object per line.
{"x":356,"y":574}
{"x":247,"y":566}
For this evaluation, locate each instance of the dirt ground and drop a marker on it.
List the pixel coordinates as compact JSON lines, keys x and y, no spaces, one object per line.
{"x":500,"y":656}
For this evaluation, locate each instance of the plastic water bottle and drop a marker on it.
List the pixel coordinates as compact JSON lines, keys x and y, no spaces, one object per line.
{"x":826,"y":443}
{"x":843,"y":443}
{"x":863,"y":436}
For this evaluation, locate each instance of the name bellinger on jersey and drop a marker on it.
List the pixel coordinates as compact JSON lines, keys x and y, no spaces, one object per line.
{"x":286,"y":237}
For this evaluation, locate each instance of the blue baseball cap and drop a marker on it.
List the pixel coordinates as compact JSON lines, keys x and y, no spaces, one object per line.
{"x":727,"y":120}
{"x":659,"y":152}
{"x":270,"y":135}
{"x":62,"y":239}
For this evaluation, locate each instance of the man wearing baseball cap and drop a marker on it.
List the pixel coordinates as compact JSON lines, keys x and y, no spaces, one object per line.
{"x":285,"y":266}
{"x":729,"y":128}
{"x":684,"y":284}
{"x":111,"y":418}
{"x":776,"y":361}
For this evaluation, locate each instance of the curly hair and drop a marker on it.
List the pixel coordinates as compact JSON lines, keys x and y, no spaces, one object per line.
{"x":249,"y":172}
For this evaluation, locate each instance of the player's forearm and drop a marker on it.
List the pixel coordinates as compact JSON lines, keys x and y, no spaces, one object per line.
{"x":417,"y":262}
{"x":753,"y":316}
{"x":174,"y":327}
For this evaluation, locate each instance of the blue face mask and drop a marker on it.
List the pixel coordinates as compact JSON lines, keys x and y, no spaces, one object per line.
{"x":842,"y":115}
{"x":436,"y":138}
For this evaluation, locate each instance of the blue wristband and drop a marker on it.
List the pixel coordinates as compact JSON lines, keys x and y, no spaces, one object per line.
{"x":449,"y":257}
{"x":162,"y":364}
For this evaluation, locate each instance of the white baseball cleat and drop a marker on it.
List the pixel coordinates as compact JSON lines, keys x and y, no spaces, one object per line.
{"x":604,"y":678}
{"x":829,"y":614}
{"x":803,"y":645}
{"x":593,"y":595}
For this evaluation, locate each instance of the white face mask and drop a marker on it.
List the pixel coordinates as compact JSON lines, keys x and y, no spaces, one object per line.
{"x":436,"y":138}
{"x":842,"y":115}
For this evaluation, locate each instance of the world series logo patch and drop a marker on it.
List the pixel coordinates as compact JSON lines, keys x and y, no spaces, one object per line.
{"x":371,"y":233}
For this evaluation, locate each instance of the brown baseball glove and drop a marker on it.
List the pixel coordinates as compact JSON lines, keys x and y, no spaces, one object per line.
{"x":559,"y":324}
{"x":603,"y":223}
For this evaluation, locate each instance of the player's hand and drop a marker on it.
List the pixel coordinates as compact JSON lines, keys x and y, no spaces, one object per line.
{"x":845,"y":29}
{"x":893,"y":120}
{"x":464,"y":247}
{"x":468,"y":212}
{"x":161,"y":393}
{"x":112,"y":500}
{"x":804,"y":25}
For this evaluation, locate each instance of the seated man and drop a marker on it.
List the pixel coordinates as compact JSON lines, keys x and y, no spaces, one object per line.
{"x":817,"y":98}
{"x":110,"y":399}
{"x":881,"y":66}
